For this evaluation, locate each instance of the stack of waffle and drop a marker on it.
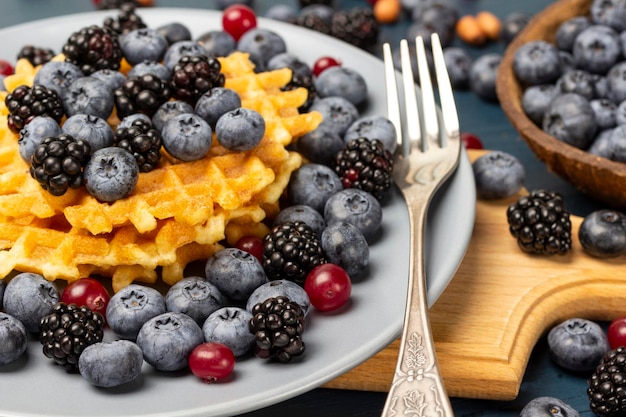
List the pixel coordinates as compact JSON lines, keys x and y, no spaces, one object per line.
{"x":179,"y":212}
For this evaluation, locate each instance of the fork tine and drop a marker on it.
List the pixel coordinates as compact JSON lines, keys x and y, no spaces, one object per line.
{"x":393,"y":105}
{"x":446,"y":97}
{"x":429,"y":109}
{"x":414,"y":131}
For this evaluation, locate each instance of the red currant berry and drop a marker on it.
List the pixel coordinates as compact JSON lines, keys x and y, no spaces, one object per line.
{"x":87,"y":292}
{"x":616,"y":332}
{"x":211,"y":361}
{"x":237,"y":20}
{"x":323,"y":63}
{"x":5,"y":67}
{"x":328,"y":287}
{"x":471,"y":141}
{"x":251,"y":244}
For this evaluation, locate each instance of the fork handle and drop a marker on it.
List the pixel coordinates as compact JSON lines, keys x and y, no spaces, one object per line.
{"x":417,"y":388}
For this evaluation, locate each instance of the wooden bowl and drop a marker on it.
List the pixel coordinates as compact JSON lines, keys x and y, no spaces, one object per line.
{"x":595,"y":176}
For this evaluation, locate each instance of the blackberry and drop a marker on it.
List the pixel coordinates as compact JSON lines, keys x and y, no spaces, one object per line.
{"x":143,"y":141}
{"x":290,"y":251}
{"x":314,"y":22}
{"x":113,"y":4}
{"x":306,"y":81}
{"x":357,"y":26}
{"x":58,"y":162}
{"x":93,"y":48}
{"x":541,"y":223}
{"x":141,"y":94}
{"x":35,"y":55}
{"x":278,"y":324}
{"x":607,"y":385}
{"x":365,"y":164}
{"x":194,"y":75}
{"x":67,"y":331}
{"x":25,"y":103}
{"x":125,"y":21}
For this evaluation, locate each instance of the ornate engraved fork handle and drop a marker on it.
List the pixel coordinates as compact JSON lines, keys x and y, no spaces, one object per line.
{"x":417,"y":389}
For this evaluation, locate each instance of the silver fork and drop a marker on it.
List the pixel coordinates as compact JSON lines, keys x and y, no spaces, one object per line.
{"x":424,"y":160}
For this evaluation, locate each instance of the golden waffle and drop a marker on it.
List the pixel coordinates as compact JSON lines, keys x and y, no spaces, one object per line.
{"x":178,"y":213}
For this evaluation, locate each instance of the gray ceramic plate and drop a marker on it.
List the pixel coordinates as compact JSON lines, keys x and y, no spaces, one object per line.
{"x":33,"y":386}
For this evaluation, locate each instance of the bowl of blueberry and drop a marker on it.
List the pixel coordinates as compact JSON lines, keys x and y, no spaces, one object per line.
{"x":562,"y":84}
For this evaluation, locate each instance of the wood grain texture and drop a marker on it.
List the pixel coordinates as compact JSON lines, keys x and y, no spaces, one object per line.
{"x":498,"y":304}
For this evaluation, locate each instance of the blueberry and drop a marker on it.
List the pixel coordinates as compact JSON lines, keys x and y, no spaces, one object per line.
{"x":280,"y":287}
{"x":458,"y":63}
{"x":610,"y":13}
{"x":426,"y":29}
{"x":28,"y":297}
{"x":548,"y":407}
{"x":577,"y":344}
{"x":113,"y":79}
{"x":602,"y":145}
{"x":568,"y":31}
{"x":179,"y":49}
{"x":34,"y":132}
{"x":168,"y":339}
{"x":312,"y":185}
{"x":601,"y":86}
{"x":168,"y":110}
{"x":483,"y":76}
{"x":57,"y":75}
{"x":616,"y":78}
{"x":14,"y":338}
{"x":235,"y":272}
{"x":282,"y":12}
{"x":356,"y":207}
{"x":373,"y":127}
{"x":537,"y":62}
{"x":88,"y":95}
{"x":229,"y":326}
{"x":217,"y":43}
{"x":535,"y":101}
{"x":131,"y":307}
{"x":302,"y":213}
{"x":617,"y":144}
{"x":498,"y":175}
{"x":338,"y":113}
{"x":567,"y":61}
{"x":513,"y":24}
{"x":111,"y":174}
{"x":194,"y":296}
{"x":324,"y":12}
{"x":187,"y":137}
{"x":604,"y":111}
{"x":570,"y":118}
{"x":151,"y":67}
{"x":577,"y":81}
{"x":288,"y":60}
{"x":143,"y":44}
{"x":262,"y":45}
{"x":596,"y":49}
{"x":174,"y":32}
{"x":240,"y":130}
{"x":345,"y":245}
{"x":128,"y":120}
{"x":111,"y":364}
{"x":92,"y":129}
{"x":603,"y":233}
{"x":344,"y":82}
{"x":436,"y":13}
{"x":620,"y":113}
{"x":320,"y":145}
{"x":216,"y":102}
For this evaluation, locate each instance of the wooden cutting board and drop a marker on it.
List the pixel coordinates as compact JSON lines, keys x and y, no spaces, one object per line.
{"x":499,"y":303}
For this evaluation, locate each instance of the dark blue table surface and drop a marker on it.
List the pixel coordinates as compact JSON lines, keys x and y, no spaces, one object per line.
{"x":487,"y":121}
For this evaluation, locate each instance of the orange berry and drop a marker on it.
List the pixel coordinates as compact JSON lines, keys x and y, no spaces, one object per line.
{"x":468,"y":30}
{"x":489,"y":24}
{"x":387,"y":11}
